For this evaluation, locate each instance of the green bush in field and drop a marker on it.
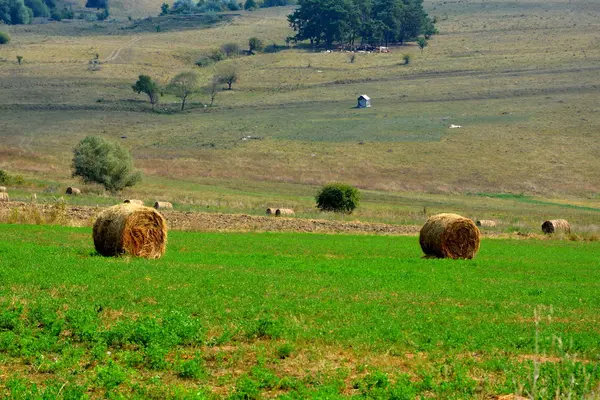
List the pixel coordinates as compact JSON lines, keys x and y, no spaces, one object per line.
{"x":96,"y":160}
{"x":4,"y":38}
{"x":338,"y":197}
{"x":255,"y":44}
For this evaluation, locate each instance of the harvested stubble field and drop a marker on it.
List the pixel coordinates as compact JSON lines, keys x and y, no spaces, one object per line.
{"x":291,"y":315}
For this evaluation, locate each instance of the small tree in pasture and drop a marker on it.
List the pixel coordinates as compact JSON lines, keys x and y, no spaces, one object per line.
{"x":213,"y":90}
{"x":422,"y":43}
{"x":230,"y":49}
{"x":146,"y":85}
{"x":338,"y":197}
{"x":184,"y":86}
{"x":228,"y":75}
{"x":255,"y":44}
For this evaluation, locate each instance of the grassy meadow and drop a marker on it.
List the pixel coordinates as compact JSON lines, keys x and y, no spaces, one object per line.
{"x":521,"y":78}
{"x":249,"y":315}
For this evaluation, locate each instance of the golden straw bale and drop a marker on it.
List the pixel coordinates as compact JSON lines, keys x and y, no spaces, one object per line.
{"x":165,"y":205}
{"x":486,"y":223}
{"x":556,"y":226}
{"x":3,"y":196}
{"x":283,"y":211}
{"x":73,"y":191}
{"x":270,"y":211}
{"x":2,"y":189}
{"x":449,"y":236}
{"x":134,"y":201}
{"x":130,"y":229}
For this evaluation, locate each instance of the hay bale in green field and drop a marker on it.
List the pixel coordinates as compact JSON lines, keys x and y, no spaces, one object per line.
{"x":449,"y":236}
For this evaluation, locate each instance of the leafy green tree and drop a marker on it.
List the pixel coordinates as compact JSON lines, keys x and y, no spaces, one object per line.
{"x":184,"y":86}
{"x":255,"y":44}
{"x":422,"y":43}
{"x":338,"y":197}
{"x":146,"y":85}
{"x":96,"y":160}
{"x":38,"y":7}
{"x":250,"y":5}
{"x":228,"y":75}
{"x":97,"y":4}
{"x":164,"y":9}
{"x":15,"y":12}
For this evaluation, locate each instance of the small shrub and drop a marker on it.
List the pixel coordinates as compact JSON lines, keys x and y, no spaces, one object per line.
{"x":246,"y":389}
{"x":56,"y":15}
{"x":352,"y":58}
{"x":204,"y":61}
{"x":191,"y":369}
{"x":338,"y":197}
{"x":255,"y":44}
{"x":110,"y":376}
{"x":4,"y":38}
{"x":285,"y":350}
{"x":406,"y":59}
{"x":4,"y":176}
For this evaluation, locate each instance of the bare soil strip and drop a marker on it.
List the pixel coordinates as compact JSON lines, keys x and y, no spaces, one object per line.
{"x":213,"y":222}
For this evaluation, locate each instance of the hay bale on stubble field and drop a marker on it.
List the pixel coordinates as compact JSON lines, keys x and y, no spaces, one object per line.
{"x":486,"y":223}
{"x":449,"y":236}
{"x":163,"y":205}
{"x":2,"y":189}
{"x":556,"y":226}
{"x":271,"y":211}
{"x":130,"y":229}
{"x":134,"y":201}
{"x":73,"y":191}
{"x":283,"y":211}
{"x":4,"y":197}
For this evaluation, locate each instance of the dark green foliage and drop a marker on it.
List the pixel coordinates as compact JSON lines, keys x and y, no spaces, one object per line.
{"x":15,"y":12}
{"x":110,"y":376}
{"x":103,"y":14}
{"x":38,"y":7}
{"x":285,"y":350}
{"x":4,"y":38}
{"x":146,"y":85}
{"x":275,"y":3}
{"x":96,"y":160}
{"x":56,"y":15}
{"x":4,"y":176}
{"x":96,"y":4}
{"x":255,"y":44}
{"x":232,"y":5}
{"x":67,"y":13}
{"x":164,"y":9}
{"x":422,"y":43}
{"x":406,"y":58}
{"x":338,"y":197}
{"x":375,"y":22}
{"x":250,"y":5}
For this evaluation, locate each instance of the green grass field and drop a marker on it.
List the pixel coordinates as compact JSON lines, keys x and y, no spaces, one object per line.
{"x":293,"y":316}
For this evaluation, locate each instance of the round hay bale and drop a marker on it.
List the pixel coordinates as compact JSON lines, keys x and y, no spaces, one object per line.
{"x":130,"y":229}
{"x":134,"y":201}
{"x":2,"y":189}
{"x":73,"y":191}
{"x":283,"y":211}
{"x":486,"y":223}
{"x":270,"y":211}
{"x":449,"y":236}
{"x":556,"y":226}
{"x":163,"y":205}
{"x":3,"y":196}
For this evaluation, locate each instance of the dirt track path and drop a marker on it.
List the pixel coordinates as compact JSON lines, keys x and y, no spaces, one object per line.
{"x":116,"y":52}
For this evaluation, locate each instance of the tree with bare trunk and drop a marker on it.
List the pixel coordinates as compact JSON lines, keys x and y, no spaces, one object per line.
{"x":184,"y":86}
{"x":213,"y":90}
{"x":228,"y":75}
{"x":146,"y":85}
